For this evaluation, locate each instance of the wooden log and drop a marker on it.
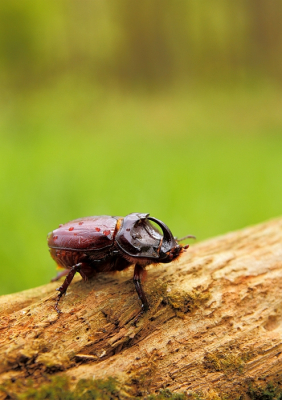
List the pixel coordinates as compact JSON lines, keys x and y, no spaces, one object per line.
{"x":214,"y":324}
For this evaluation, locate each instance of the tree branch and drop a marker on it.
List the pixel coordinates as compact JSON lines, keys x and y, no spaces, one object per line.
{"x":214,"y":324}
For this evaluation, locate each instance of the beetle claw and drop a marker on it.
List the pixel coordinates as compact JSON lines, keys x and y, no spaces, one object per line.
{"x":145,"y":307}
{"x":56,"y":306}
{"x":137,"y":317}
{"x":57,"y":302}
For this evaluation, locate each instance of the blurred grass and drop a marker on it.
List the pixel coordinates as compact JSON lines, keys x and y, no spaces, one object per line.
{"x":205,"y":162}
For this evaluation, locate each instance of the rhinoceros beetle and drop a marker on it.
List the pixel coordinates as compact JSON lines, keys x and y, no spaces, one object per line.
{"x":104,"y":243}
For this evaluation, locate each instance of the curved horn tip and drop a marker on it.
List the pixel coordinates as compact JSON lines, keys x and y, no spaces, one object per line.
{"x":136,"y":215}
{"x":143,"y":215}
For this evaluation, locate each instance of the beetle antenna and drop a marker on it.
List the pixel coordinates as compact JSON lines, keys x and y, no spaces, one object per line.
{"x":186,"y":237}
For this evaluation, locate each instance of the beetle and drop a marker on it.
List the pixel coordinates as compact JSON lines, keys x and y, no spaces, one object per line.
{"x":105,"y":243}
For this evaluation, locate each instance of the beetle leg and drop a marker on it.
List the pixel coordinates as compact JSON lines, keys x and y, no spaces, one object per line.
{"x":137,"y":282}
{"x":63,"y":288}
{"x":60,"y":274}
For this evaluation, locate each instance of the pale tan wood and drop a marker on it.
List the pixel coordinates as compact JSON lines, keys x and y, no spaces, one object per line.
{"x":215,"y":322}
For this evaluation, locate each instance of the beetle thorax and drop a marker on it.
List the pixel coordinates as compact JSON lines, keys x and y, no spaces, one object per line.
{"x":139,"y":260}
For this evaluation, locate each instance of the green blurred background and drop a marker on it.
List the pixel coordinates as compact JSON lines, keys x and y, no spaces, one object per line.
{"x":111,"y":107}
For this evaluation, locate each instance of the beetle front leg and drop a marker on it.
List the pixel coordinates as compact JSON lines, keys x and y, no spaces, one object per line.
{"x":63,"y":288}
{"x":138,"y":270}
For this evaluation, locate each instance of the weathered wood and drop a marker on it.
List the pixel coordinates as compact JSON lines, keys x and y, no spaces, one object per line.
{"x":215,"y":322}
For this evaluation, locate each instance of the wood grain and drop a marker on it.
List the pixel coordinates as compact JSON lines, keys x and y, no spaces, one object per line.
{"x":215,"y":322}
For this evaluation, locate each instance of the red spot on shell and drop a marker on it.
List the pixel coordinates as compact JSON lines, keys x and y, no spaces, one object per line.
{"x":60,"y":225}
{"x":55,"y":237}
{"x":80,"y":223}
{"x":97,"y":229}
{"x":75,"y":234}
{"x":71,"y":228}
{"x":106,"y":233}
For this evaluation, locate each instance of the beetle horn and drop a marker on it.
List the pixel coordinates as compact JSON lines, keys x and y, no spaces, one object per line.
{"x":168,"y":239}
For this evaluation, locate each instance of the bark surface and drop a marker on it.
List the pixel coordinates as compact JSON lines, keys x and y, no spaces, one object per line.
{"x":214,"y":324}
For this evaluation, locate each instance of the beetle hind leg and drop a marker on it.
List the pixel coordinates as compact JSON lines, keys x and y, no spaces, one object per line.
{"x":60,"y":274}
{"x":63,"y":288}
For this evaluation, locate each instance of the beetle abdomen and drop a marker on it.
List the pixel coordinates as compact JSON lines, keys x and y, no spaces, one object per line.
{"x":65,"y":258}
{"x":84,"y":234}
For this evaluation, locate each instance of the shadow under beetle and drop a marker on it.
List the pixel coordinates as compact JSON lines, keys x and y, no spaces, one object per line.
{"x":104,"y":243}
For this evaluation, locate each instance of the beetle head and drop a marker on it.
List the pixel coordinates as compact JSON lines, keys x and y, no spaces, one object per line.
{"x":138,"y":238}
